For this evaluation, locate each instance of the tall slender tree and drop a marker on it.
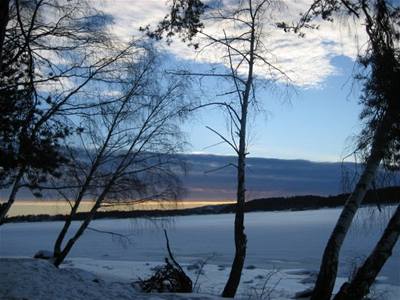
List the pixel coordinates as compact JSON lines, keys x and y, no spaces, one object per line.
{"x":242,"y":44}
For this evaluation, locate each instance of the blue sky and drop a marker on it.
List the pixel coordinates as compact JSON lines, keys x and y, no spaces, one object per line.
{"x":314,"y":123}
{"x":319,"y":119}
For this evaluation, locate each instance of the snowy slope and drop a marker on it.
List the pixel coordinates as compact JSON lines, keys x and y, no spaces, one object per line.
{"x":35,"y":279}
{"x":39,"y":280}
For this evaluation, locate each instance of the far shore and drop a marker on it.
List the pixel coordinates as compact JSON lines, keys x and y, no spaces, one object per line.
{"x":61,"y":207}
{"x":383,"y":196}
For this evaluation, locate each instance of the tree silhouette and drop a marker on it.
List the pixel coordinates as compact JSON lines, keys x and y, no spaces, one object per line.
{"x":49,"y":53}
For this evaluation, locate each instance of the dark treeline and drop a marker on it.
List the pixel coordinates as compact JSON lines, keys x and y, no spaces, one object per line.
{"x":382,"y":196}
{"x":389,"y":195}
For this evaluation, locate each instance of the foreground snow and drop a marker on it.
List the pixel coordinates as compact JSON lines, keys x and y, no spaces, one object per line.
{"x":207,"y":278}
{"x":24,"y":278}
{"x":37,"y":279}
{"x":88,"y":279}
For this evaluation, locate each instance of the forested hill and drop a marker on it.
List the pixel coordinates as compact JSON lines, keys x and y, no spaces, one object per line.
{"x":389,"y":195}
{"x":383,"y":196}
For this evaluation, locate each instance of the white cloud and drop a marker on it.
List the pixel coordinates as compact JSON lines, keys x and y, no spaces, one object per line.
{"x":130,"y":15}
{"x":308,"y":60}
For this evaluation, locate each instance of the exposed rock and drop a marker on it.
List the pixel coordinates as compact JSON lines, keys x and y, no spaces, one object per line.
{"x":43,"y":254}
{"x":303,"y":294}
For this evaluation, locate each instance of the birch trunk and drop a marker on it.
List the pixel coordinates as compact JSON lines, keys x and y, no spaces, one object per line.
{"x":329,"y":265}
{"x":59,"y":258}
{"x":240,"y":237}
{"x":61,"y":236}
{"x":360,"y":285}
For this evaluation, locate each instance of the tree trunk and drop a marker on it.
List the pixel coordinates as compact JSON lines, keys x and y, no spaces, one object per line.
{"x":240,"y":237}
{"x":5,"y":207}
{"x":60,"y":256}
{"x":329,"y":265}
{"x":64,"y":230}
{"x":359,"y":286}
{"x":4,"y":8}
{"x":60,"y":238}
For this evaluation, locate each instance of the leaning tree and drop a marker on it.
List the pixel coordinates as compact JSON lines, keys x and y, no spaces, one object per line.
{"x":379,"y":140}
{"x":126,"y":150}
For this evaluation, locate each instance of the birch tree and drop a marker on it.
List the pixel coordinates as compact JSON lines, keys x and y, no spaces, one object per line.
{"x":378,"y":142}
{"x":126,"y":152}
{"x":359,"y":285}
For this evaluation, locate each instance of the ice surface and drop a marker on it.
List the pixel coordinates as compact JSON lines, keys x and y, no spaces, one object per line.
{"x":288,"y":243}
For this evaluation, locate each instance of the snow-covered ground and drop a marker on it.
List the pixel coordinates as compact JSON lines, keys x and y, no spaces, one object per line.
{"x":284,"y":250}
{"x":34,"y":279}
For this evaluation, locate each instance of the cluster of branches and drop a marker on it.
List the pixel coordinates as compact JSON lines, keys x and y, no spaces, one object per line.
{"x":184,"y":20}
{"x":129,"y":144}
{"x":84,"y":116}
{"x":47,"y":59}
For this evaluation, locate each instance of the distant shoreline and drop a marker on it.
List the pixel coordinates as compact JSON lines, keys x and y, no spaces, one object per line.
{"x":383,"y":196}
{"x":60,"y":207}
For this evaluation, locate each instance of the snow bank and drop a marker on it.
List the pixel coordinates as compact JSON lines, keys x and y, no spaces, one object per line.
{"x":89,"y":279}
{"x":37,"y":279}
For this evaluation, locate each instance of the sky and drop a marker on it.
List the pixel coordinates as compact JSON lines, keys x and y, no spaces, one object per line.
{"x":315,"y":119}
{"x":317,"y":124}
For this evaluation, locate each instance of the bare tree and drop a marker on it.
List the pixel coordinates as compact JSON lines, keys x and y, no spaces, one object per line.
{"x":242,"y":44}
{"x":127,"y":147}
{"x":50,"y":52}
